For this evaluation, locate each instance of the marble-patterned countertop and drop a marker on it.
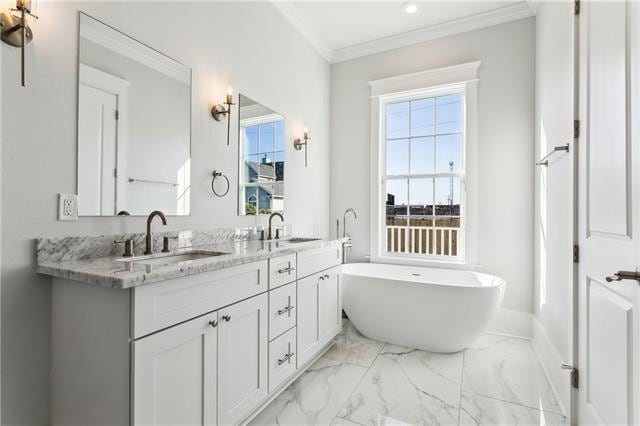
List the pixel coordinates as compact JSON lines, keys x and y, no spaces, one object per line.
{"x":122,"y":273}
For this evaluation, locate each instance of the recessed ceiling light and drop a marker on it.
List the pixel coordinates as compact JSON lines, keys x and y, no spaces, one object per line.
{"x":410,"y":7}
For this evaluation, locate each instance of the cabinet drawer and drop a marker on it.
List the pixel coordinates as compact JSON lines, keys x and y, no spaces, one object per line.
{"x":161,"y":305}
{"x":282,"y":270}
{"x":312,"y":261}
{"x":282,"y":359}
{"x":282,"y":310}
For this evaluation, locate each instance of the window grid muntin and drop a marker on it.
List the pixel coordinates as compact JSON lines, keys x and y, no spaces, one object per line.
{"x":408,"y":242}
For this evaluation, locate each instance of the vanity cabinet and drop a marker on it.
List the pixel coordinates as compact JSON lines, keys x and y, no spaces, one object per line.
{"x":175,"y":374}
{"x":319,"y":311}
{"x":242,"y":358}
{"x":209,"y":348}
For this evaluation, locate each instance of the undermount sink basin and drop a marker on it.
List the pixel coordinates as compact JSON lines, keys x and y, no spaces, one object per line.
{"x":171,"y":259}
{"x":300,"y":240}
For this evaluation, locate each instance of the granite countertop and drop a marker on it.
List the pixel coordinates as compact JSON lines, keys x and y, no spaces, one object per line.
{"x":122,"y":273}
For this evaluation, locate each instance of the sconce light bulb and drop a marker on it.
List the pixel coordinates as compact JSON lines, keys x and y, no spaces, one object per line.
{"x":306,"y":133}
{"x":229,"y":95}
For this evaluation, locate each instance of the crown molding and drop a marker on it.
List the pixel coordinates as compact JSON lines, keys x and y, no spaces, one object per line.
{"x":288,"y":10}
{"x":487,"y":19}
{"x":112,"y":39}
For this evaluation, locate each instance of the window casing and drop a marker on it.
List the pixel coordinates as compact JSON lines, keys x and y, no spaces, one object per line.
{"x":423,"y":134}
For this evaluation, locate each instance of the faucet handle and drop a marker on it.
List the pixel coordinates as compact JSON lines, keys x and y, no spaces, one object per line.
{"x":165,"y":243}
{"x":128,"y":247}
{"x":277,"y":233}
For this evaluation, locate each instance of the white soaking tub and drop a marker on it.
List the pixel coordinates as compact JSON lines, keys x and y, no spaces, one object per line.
{"x":437,"y":310}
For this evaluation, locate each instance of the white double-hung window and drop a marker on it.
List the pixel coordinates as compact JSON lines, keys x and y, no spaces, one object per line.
{"x":420,"y":198}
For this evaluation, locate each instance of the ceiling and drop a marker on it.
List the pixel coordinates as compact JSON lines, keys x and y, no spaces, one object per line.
{"x":342,"y":30}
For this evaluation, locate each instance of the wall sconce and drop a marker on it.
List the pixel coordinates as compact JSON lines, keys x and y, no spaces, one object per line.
{"x":298,"y":144}
{"x":14,"y":29}
{"x":220,"y":110}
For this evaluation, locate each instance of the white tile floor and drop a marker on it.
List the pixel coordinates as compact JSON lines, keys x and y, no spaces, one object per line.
{"x":359,"y":381}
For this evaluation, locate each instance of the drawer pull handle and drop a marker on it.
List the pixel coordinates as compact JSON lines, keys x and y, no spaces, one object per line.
{"x":213,"y":323}
{"x":326,"y":276}
{"x":286,"y":358}
{"x":227,"y":318}
{"x":285,"y":310}
{"x":286,"y":270}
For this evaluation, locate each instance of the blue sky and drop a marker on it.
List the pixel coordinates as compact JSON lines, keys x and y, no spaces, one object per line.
{"x":423,"y":136}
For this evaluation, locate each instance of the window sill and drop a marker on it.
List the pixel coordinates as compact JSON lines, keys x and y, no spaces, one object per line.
{"x":427,"y":263}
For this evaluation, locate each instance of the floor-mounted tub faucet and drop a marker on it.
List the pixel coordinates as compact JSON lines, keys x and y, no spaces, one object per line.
{"x":346,"y":245}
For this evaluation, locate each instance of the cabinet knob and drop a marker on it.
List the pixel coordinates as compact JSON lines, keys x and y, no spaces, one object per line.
{"x":227,"y":318}
{"x":213,"y":323}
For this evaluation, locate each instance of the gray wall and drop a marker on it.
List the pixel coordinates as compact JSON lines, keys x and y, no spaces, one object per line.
{"x":249,"y":46}
{"x":505,"y":142}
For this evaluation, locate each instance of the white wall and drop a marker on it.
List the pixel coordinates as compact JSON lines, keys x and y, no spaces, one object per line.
{"x":249,"y":46}
{"x":554,"y":190}
{"x":505,"y":143}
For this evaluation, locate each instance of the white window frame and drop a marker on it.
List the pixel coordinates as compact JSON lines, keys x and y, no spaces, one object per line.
{"x":248,"y":122}
{"x":463,"y":79}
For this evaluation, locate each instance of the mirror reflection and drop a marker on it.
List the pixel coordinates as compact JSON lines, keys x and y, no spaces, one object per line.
{"x":261,"y":154}
{"x":134,"y":126}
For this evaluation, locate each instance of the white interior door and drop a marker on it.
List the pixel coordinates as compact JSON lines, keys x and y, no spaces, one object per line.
{"x":608,"y":318}
{"x":97,"y":151}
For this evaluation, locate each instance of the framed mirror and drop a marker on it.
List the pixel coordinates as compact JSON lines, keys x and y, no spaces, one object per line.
{"x":134,"y":126}
{"x":261,"y":156}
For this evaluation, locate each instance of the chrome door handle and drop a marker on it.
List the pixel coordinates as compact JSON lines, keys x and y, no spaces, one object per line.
{"x":285,"y":310}
{"x":227,"y":318}
{"x":213,"y":323}
{"x":624,"y":275}
{"x":285,"y":358}
{"x":286,"y":270}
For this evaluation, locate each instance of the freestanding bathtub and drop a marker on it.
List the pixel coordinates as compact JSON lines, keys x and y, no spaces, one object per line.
{"x":436,"y":310}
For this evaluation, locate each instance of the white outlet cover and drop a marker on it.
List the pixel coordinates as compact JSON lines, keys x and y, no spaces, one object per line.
{"x":67,"y":207}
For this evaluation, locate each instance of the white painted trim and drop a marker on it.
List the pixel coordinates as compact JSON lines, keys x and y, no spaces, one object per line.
{"x":453,"y":74}
{"x":262,"y":119}
{"x":304,"y":27}
{"x":482,"y":20}
{"x":462,"y":78}
{"x":101,"y":80}
{"x":551,"y":360}
{"x":107,"y":37}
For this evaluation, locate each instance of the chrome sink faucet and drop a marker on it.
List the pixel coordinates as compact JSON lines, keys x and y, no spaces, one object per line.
{"x":270,"y":228}
{"x":149,"y":247}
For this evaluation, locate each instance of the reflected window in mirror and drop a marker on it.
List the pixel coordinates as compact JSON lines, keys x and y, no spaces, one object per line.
{"x":134,"y":126}
{"x":261,"y":154}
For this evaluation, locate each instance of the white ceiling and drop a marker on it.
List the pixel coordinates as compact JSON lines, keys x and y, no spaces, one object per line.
{"x":342,"y":30}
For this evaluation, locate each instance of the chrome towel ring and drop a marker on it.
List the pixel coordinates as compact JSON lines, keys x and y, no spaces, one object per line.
{"x":219,"y":174}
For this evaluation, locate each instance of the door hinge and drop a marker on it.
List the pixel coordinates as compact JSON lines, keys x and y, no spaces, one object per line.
{"x":576,"y":7}
{"x":576,"y":253}
{"x":117,"y":115}
{"x":575,"y":376}
{"x":576,"y":129}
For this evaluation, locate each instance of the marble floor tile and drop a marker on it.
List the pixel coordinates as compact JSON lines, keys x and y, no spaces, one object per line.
{"x":480,"y":410}
{"x":339,"y":421}
{"x":352,"y":347}
{"x":508,"y":369}
{"x":315,"y":397}
{"x":407,"y":386}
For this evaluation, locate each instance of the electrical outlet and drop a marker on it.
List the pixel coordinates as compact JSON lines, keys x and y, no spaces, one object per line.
{"x":67,"y":207}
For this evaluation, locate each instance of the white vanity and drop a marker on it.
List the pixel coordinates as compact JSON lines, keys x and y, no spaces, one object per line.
{"x":213,"y":346}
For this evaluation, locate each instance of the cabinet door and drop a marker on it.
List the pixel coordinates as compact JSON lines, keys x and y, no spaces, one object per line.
{"x":175,"y":375}
{"x":308,"y":319}
{"x":330,"y":305}
{"x":242,"y":358}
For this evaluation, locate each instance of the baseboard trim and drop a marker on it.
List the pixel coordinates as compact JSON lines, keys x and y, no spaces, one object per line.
{"x":551,"y":360}
{"x":511,"y":323}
